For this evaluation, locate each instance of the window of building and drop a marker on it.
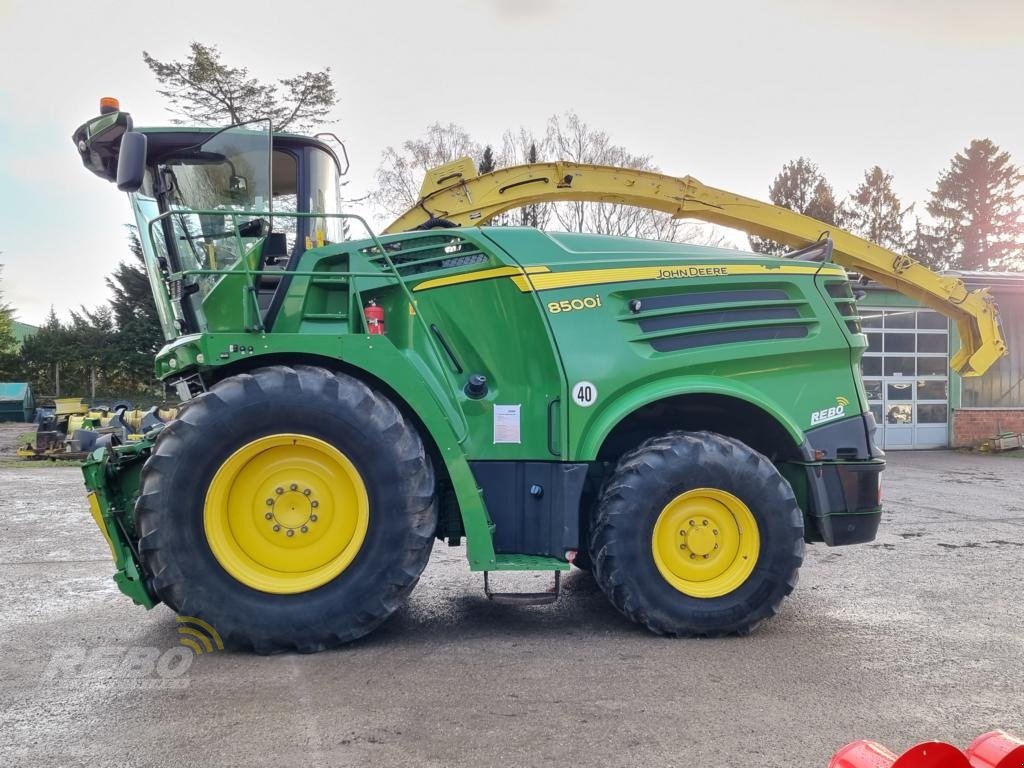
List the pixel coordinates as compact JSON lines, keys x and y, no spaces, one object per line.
{"x":906,"y":375}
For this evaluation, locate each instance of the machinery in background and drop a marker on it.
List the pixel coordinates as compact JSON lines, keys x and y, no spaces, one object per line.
{"x":70,"y":428}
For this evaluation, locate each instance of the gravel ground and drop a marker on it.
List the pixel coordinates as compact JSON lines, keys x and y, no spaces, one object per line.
{"x":916,"y":636}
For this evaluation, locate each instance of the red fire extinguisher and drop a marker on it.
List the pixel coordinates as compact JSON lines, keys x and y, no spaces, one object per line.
{"x":374,"y":318}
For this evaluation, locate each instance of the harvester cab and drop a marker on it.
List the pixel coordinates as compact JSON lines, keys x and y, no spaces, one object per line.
{"x":210,"y":203}
{"x":678,"y":419}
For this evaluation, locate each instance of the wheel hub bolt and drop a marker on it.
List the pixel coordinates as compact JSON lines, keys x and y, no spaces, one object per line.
{"x":279,"y":490}
{"x":270,"y":502}
{"x":277,"y":528}
{"x":693,"y":557}
{"x":312,"y":518}
{"x":693,"y":522}
{"x":715,"y":531}
{"x":291,"y":532}
{"x":306,"y":492}
{"x":705,"y":522}
{"x":314,"y":504}
{"x":269,"y":515}
{"x":294,"y":487}
{"x":304,"y":529}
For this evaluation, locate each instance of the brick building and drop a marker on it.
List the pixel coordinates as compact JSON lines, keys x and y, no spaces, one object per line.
{"x":918,"y":402}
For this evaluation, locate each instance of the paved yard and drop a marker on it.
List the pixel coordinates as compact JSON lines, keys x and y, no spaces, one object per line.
{"x":916,"y":636}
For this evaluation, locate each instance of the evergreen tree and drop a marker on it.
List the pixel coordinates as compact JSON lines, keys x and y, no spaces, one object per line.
{"x":801,"y":187}
{"x":875,"y":212}
{"x":487,"y":163}
{"x":531,"y":213}
{"x":8,"y":343}
{"x":9,"y":368}
{"x":202,"y":89}
{"x":927,"y":247}
{"x":107,"y":350}
{"x":979,"y":211}
{"x":138,"y":325}
{"x":43,"y":352}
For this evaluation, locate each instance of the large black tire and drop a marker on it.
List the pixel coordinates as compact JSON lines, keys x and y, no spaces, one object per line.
{"x":645,"y":481}
{"x":337,"y":409}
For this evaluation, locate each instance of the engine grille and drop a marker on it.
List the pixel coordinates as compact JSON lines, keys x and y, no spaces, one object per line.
{"x":692,"y":320}
{"x":842,"y":296}
{"x":427,"y":254}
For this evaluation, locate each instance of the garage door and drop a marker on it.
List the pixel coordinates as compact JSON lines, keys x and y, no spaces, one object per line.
{"x":906,"y":375}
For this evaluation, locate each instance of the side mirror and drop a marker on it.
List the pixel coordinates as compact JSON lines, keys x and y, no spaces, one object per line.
{"x":238,"y":188}
{"x":131,"y":162}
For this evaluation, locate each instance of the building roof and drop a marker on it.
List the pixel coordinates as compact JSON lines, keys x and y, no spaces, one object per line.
{"x":23,"y":330}
{"x":1006,"y":282}
{"x":995,"y":280}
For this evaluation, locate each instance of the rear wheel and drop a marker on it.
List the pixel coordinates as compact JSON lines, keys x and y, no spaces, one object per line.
{"x":697,"y":534}
{"x":290,"y":508}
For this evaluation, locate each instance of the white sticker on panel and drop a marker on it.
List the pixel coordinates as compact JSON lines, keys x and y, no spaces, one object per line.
{"x":506,"y":424}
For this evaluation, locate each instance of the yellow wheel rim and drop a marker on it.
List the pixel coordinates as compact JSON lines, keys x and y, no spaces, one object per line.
{"x":705,"y":542}
{"x":286,"y":513}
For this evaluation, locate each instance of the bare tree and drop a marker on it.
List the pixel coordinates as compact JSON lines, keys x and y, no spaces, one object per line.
{"x":521,"y":147}
{"x":569,"y":138}
{"x":401,"y":169}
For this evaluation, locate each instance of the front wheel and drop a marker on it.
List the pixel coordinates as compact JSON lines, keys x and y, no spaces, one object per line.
{"x":290,"y":508}
{"x":697,"y":534}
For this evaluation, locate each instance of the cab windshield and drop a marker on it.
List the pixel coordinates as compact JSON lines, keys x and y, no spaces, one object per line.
{"x":228,"y":176}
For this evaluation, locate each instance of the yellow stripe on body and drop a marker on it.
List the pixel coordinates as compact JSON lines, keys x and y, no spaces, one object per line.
{"x":472,"y":277}
{"x":550,"y":280}
{"x":541,"y":278}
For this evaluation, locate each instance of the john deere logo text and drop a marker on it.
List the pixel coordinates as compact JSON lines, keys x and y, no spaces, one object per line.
{"x":670,"y":274}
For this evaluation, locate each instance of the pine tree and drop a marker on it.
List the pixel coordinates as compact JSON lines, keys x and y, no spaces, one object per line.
{"x":801,"y":187}
{"x":8,"y":343}
{"x":875,"y":213}
{"x":134,"y":310}
{"x":9,"y":368}
{"x":202,"y":89}
{"x":979,"y":211}
{"x":531,"y":213}
{"x":43,"y":352}
{"x":927,"y":247}
{"x":487,"y":163}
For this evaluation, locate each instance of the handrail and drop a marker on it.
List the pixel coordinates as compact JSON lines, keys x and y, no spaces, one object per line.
{"x":461,"y":428}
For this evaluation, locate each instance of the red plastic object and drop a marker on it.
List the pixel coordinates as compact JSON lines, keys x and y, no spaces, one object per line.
{"x":870,"y":754}
{"x":996,"y":749}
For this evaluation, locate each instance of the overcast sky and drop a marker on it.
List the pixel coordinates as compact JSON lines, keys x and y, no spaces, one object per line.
{"x":725,"y":91}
